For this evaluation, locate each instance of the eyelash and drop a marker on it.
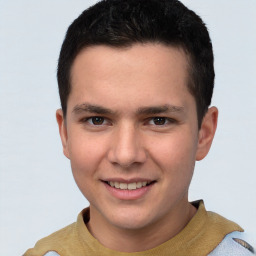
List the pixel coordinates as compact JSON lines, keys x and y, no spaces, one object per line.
{"x":166,"y":120}
{"x":86,"y":120}
{"x":149,"y":121}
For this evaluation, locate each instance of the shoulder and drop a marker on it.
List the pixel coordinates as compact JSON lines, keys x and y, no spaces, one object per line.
{"x":66,"y":241}
{"x":50,"y":245}
{"x":236,"y":244}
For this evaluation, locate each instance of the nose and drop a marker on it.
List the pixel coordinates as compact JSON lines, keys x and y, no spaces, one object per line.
{"x":127,"y":147}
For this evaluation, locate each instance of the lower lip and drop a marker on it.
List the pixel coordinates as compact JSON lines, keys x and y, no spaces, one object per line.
{"x":126,"y":194}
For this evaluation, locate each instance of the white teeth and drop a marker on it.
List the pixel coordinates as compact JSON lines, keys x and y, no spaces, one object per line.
{"x":132,"y":186}
{"x":139,"y":184}
{"x":123,"y":185}
{"x":129,"y":186}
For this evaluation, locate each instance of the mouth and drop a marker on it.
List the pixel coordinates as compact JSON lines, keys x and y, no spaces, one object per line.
{"x":129,"y":189}
{"x":129,"y":186}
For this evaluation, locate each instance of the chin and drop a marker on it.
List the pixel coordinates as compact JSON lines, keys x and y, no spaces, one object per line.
{"x":131,"y":220}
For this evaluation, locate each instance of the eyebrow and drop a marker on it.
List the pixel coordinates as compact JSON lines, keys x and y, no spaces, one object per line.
{"x":91,"y":109}
{"x":160,"y":109}
{"x":152,"y":110}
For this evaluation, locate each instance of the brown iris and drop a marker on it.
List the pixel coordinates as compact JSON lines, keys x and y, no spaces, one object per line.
{"x":159,"y":120}
{"x":97,"y":120}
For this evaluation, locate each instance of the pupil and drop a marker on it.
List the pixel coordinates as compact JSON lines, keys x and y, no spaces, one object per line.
{"x":97,"y":120}
{"x":159,"y":120}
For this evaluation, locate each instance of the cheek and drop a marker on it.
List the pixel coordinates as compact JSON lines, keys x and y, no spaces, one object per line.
{"x":175,"y":155}
{"x":86,"y":154}
{"x":85,"y":159}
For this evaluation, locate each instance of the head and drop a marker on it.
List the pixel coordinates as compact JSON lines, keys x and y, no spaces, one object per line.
{"x":135,"y":80}
{"x":120,"y":24}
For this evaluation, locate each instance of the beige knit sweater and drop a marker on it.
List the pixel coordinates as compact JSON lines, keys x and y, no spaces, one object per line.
{"x":201,"y":235}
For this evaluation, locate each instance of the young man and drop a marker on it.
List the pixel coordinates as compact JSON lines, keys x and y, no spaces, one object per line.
{"x":135,"y":81}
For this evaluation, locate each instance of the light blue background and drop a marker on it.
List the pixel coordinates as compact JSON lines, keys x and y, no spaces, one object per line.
{"x":37,"y":191}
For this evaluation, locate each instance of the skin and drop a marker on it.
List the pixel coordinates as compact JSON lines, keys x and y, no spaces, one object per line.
{"x":128,"y":89}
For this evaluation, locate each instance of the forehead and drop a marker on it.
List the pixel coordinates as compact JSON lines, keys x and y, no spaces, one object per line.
{"x":144,"y":72}
{"x":155,"y":54}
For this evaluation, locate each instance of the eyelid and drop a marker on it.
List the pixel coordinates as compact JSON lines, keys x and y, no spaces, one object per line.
{"x":169,"y":120}
{"x":108,"y":122}
{"x":86,"y":120}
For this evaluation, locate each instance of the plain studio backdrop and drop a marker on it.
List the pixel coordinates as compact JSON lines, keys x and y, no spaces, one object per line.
{"x":37,"y":192}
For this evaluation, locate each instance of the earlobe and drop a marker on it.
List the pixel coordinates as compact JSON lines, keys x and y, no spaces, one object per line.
{"x":206,"y":133}
{"x":62,"y":131}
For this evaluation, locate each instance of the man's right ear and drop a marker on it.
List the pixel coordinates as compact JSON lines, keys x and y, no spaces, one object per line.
{"x":63,"y":131}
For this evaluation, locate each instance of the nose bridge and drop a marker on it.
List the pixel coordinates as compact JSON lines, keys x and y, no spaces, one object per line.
{"x":127,"y":147}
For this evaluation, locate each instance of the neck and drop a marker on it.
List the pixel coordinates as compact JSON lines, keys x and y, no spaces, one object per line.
{"x":130,"y":240}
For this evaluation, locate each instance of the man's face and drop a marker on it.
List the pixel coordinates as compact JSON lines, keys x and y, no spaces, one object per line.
{"x":131,"y":133}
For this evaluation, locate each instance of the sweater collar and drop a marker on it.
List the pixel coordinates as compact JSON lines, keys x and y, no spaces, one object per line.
{"x":200,"y":236}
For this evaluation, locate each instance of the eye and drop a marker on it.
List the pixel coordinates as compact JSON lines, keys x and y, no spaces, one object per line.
{"x":161,"y":121}
{"x":96,"y":120}
{"x":158,"y":121}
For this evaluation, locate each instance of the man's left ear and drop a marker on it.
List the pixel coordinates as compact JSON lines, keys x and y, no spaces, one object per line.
{"x":206,"y":133}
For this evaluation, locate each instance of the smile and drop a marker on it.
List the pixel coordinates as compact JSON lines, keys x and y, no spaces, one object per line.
{"x":128,"y":186}
{"x":129,"y":190}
